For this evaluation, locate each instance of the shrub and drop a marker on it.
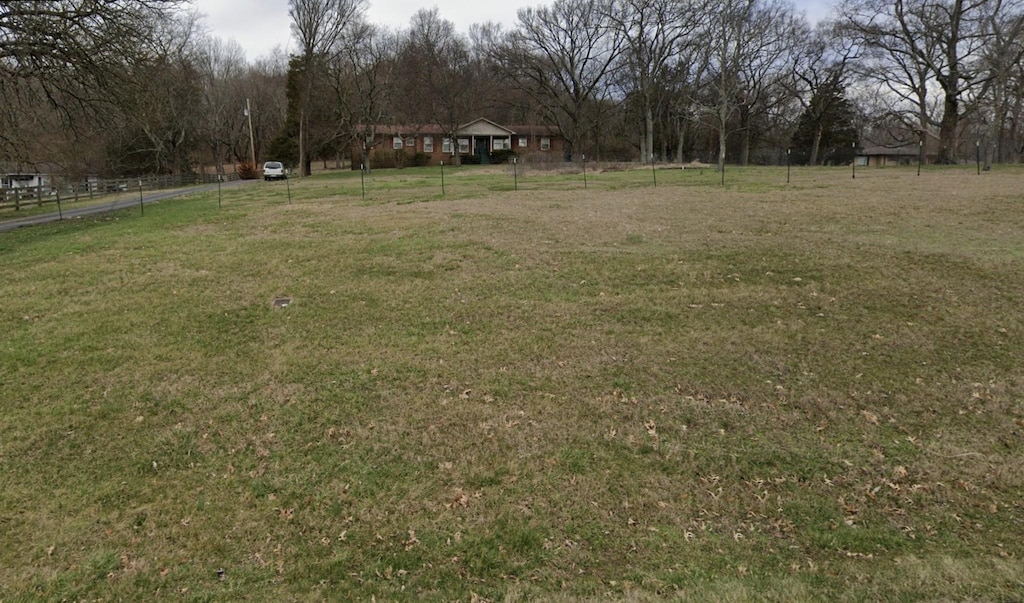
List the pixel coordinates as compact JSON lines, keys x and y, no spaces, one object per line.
{"x":503,"y":156}
{"x":247,"y":171}
{"x":382,"y":159}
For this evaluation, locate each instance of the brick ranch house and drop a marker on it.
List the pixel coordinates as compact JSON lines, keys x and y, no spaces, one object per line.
{"x":480,"y":141}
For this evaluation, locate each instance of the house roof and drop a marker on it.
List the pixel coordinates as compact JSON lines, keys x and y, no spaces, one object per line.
{"x":406,"y":129}
{"x":535,"y":130}
{"x":907,"y":150}
{"x":483,"y":127}
{"x":478,"y":127}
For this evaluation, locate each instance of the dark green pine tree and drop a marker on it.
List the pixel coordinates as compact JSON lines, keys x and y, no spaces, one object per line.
{"x":285,"y":146}
{"x":826,"y":132}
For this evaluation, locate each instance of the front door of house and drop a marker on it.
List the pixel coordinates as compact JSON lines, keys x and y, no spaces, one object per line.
{"x":482,"y":150}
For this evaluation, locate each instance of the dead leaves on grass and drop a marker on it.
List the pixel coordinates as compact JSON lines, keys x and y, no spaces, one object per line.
{"x":462,"y":499}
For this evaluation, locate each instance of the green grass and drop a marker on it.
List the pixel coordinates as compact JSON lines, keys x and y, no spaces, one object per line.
{"x":757,"y":391}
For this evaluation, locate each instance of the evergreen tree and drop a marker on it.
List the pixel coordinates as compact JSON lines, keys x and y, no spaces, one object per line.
{"x":285,"y":146}
{"x":826,"y":132}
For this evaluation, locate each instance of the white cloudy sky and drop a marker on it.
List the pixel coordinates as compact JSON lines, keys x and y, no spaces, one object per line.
{"x":260,"y":25}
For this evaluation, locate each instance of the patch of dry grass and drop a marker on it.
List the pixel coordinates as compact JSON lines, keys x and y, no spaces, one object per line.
{"x":762,"y":391}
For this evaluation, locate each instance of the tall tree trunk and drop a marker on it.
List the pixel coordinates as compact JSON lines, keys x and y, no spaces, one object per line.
{"x":302,"y":147}
{"x":948,"y":129}
{"x":721,"y":145}
{"x":648,"y":151}
{"x":745,"y":142}
{"x":816,"y":145}
{"x":679,"y":144}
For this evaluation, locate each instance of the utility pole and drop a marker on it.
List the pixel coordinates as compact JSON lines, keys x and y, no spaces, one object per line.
{"x":252,"y":144}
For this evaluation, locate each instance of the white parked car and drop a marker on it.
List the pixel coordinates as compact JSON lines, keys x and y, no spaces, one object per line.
{"x":274,"y":170}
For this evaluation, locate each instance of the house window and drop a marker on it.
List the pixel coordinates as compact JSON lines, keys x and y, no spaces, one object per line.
{"x":545,"y":144}
{"x":501,"y":144}
{"x":446,"y":145}
{"x":523,"y":141}
{"x":428,"y":144}
{"x":463,"y":146}
{"x":410,"y":142}
{"x":396,"y":142}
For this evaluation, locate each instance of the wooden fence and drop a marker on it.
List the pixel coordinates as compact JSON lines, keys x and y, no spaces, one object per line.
{"x":37,"y":196}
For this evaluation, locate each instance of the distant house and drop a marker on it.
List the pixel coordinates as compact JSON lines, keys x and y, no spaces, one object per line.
{"x":23,"y":179}
{"x":480,"y":141}
{"x":883,"y":156}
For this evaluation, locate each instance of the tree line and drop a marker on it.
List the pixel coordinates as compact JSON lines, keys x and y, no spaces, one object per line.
{"x":138,"y":86}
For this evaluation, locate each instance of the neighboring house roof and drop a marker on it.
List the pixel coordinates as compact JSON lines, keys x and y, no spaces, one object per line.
{"x":403,"y":129}
{"x":537,"y":130}
{"x":478,"y":127}
{"x":907,"y":150}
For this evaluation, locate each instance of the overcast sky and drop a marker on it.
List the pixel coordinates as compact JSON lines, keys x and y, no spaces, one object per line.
{"x":260,"y":25}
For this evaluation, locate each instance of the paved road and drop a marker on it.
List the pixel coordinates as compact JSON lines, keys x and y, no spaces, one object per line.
{"x":106,"y":207}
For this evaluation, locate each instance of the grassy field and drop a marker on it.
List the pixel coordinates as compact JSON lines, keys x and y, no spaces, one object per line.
{"x":810,"y":391}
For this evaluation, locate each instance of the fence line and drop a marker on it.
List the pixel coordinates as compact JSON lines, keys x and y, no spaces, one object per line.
{"x":37,"y":196}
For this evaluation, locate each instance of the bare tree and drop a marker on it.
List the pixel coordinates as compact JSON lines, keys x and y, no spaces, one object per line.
{"x":1002,"y":63}
{"x":770,"y":40}
{"x":563,"y":55}
{"x":318,"y":26}
{"x":363,"y":79}
{"x":264,"y":84}
{"x":69,"y":54}
{"x":440,"y":73}
{"x":221,"y":68}
{"x":157,"y":121}
{"x":916,"y":44}
{"x":653,"y":32}
{"x":749,"y":42}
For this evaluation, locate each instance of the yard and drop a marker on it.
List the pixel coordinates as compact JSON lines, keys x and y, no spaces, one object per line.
{"x":805,"y":391}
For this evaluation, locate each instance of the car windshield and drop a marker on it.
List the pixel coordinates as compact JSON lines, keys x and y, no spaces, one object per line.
{"x":272,"y":165}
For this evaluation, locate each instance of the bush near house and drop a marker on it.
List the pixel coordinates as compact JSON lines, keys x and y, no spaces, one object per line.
{"x":247,"y":171}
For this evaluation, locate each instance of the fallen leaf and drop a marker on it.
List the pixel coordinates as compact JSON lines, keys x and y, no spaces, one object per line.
{"x":412,"y":540}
